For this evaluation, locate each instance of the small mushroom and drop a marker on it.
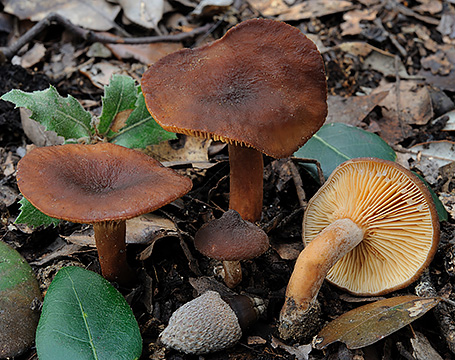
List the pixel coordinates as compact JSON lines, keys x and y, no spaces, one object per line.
{"x":261,"y":88}
{"x":103,"y":185}
{"x":372,"y":228}
{"x":231,"y":239}
{"x":211,"y":323}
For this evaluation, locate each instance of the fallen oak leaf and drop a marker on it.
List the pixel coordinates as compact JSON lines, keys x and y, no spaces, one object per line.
{"x":355,"y":328}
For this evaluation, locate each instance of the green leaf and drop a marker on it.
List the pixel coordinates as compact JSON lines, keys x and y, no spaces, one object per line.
{"x":442,"y":212}
{"x":32,"y":217}
{"x":65,"y":116}
{"x":370,"y":323}
{"x":335,"y":143}
{"x":141,"y":129}
{"x":18,"y":291}
{"x":84,"y":317}
{"x":119,"y":95}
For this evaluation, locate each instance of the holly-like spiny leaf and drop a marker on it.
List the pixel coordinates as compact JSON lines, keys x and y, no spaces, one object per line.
{"x":32,"y":217}
{"x":65,"y":116}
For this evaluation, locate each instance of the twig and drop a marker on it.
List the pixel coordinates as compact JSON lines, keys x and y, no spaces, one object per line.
{"x":91,"y":36}
{"x":298,"y":183}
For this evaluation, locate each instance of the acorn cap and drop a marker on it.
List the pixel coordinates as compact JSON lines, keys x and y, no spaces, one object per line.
{"x":397,"y":214}
{"x":205,"y":324}
{"x":230,"y":238}
{"x":93,"y":183}
{"x":261,"y":85}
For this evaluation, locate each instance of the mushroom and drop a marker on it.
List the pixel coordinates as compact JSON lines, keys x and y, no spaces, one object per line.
{"x":102,"y":184}
{"x":371,"y":229}
{"x":261,"y":88}
{"x":211,"y":322}
{"x":231,"y":239}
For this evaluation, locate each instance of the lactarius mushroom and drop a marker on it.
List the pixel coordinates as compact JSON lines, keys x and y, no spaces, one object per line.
{"x":261,"y":88}
{"x":372,"y":228}
{"x":211,"y":323}
{"x":231,"y":239}
{"x":103,"y":185}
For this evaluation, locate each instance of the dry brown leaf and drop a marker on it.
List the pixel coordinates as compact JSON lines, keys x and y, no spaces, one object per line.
{"x":314,"y":9}
{"x":146,"y":13}
{"x":95,"y":14}
{"x":414,"y":105}
{"x":352,"y":110}
{"x":355,"y":328}
{"x":145,"y":53}
{"x":352,"y":19}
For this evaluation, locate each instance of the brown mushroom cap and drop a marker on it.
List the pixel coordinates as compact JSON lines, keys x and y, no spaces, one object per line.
{"x":230,"y":238}
{"x":262,"y":85}
{"x":397,"y":214}
{"x":93,"y":183}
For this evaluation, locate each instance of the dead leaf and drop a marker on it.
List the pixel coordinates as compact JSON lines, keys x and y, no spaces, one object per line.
{"x":450,"y":124}
{"x":432,"y":7}
{"x":145,"y":53}
{"x":429,"y":157}
{"x":146,"y":13}
{"x":269,"y":8}
{"x":33,"y":56}
{"x":100,"y":73}
{"x":288,"y":251}
{"x":352,"y":110}
{"x":314,"y":9}
{"x":352,"y":21}
{"x":211,"y":7}
{"x":414,"y":105}
{"x":95,"y":14}
{"x":194,"y":151}
{"x":301,"y":352}
{"x":370,"y":323}
{"x":139,"y":230}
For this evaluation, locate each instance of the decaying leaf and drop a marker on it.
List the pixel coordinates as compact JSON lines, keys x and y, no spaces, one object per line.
{"x":352,"y":110}
{"x":429,"y":157}
{"x":95,"y":14}
{"x":370,"y":323}
{"x":314,"y":9}
{"x":353,"y":19}
{"x":146,"y":13}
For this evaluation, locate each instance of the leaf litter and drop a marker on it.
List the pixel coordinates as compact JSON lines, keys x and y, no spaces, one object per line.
{"x":404,"y":49}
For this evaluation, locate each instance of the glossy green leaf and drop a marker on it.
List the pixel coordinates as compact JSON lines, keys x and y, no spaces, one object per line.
{"x":65,"y":116}
{"x":367,"y":324}
{"x":120,"y":95}
{"x":442,"y":212}
{"x":84,"y":317}
{"x":141,"y":129}
{"x":335,"y":143}
{"x":19,"y":290}
{"x":32,"y":217}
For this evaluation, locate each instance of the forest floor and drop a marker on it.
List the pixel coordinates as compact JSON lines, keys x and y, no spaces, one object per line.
{"x":391,"y":70}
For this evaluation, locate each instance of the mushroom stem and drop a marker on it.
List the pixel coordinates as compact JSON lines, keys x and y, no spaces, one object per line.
{"x":232,"y":273}
{"x":246,"y":178}
{"x":310,"y":270}
{"x":110,"y":243}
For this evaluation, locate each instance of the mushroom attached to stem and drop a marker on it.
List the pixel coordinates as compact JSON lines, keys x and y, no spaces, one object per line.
{"x":231,"y":239}
{"x":372,"y":228}
{"x":266,"y":96}
{"x":103,"y":185}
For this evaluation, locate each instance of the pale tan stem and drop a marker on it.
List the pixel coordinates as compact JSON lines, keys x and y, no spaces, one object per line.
{"x":246,"y":181}
{"x":310,"y":270}
{"x":110,"y":242}
{"x":232,"y":273}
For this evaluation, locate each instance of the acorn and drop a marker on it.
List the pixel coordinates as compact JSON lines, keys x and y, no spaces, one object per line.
{"x":211,"y":323}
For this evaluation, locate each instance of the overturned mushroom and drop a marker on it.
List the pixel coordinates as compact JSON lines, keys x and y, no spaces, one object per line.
{"x":266,"y":96}
{"x":372,"y":228}
{"x":103,"y":185}
{"x":211,"y":322}
{"x":231,"y":239}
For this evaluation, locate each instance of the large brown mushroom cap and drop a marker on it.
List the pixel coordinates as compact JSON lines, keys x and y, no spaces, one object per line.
{"x":396,"y":212}
{"x":92,"y":183}
{"x":262,"y":85}
{"x":230,"y":238}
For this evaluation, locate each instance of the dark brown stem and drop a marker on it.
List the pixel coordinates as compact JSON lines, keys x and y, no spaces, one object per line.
{"x":246,"y":172}
{"x":110,"y":243}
